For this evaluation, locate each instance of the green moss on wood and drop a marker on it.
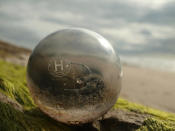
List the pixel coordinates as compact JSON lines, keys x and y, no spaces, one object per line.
{"x":13,"y":84}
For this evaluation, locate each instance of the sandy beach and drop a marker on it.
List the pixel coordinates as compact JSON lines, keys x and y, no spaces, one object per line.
{"x":141,"y":85}
{"x":149,"y":87}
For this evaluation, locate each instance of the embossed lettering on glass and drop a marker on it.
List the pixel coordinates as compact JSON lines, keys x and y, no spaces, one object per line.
{"x":74,"y":75}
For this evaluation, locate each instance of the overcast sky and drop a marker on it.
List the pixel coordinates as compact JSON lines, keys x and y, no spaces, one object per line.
{"x":132,"y":26}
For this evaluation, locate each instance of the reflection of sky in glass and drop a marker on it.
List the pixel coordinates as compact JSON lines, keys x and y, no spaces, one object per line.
{"x":83,"y":45}
{"x":105,"y":43}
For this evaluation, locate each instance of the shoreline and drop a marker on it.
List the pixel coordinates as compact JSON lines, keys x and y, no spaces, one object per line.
{"x":142,"y":85}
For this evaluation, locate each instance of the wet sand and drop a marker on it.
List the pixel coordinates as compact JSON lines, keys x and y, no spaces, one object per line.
{"x":149,"y":87}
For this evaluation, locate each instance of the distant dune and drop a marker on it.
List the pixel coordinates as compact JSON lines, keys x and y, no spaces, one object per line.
{"x":13,"y":53}
{"x":13,"y":49}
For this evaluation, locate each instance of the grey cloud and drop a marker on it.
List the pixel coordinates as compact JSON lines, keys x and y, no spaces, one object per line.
{"x":146,"y":32}
{"x":6,"y":17}
{"x":19,"y":35}
{"x":165,"y":45}
{"x":121,"y":11}
{"x":157,"y":46}
{"x":96,"y":15}
{"x":165,"y":15}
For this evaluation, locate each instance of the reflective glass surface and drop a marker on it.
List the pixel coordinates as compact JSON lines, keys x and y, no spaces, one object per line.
{"x":74,"y":75}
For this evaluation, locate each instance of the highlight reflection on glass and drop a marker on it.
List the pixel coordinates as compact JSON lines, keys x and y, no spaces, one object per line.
{"x":74,"y":75}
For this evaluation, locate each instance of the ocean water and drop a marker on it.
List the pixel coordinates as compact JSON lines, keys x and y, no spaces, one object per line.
{"x":156,"y":62}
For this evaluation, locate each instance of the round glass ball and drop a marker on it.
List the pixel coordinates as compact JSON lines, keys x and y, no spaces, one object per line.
{"x":74,"y":75}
